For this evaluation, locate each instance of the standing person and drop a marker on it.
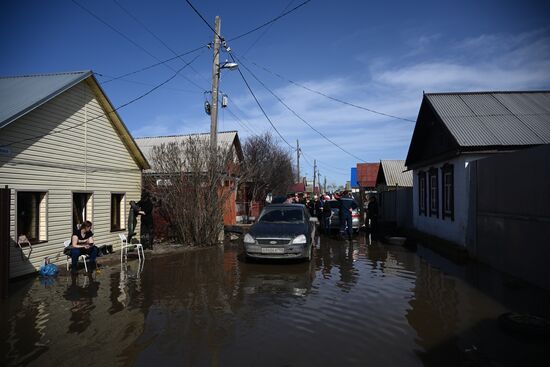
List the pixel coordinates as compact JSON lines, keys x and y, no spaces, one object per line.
{"x":347,"y":204}
{"x":365,"y":208}
{"x":82,"y":243}
{"x":314,"y":207}
{"x":147,"y":232}
{"x":372,"y":214}
{"x":325,"y":215}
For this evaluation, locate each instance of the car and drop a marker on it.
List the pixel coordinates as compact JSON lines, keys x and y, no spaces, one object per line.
{"x":282,"y":231}
{"x":335,"y":216}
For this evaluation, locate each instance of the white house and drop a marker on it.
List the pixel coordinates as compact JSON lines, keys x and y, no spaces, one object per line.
{"x":454,"y":129}
{"x":66,"y":157}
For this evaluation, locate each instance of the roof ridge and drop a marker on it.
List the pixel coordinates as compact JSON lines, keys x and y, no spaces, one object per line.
{"x":46,"y":74}
{"x":180,"y":135}
{"x":487,"y":92}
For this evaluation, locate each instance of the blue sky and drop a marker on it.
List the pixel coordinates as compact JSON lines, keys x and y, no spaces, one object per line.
{"x":381,"y":55}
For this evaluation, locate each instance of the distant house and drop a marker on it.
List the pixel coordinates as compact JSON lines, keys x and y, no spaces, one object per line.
{"x":393,"y":174}
{"x":66,"y":157}
{"x":454,"y":129}
{"x":228,"y":140}
{"x":366,"y":176}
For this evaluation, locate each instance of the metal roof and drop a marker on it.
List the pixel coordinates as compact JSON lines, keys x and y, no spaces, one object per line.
{"x":21,"y":94}
{"x":225,"y":140}
{"x":367,"y":174}
{"x":477,"y":119}
{"x":394,"y":175}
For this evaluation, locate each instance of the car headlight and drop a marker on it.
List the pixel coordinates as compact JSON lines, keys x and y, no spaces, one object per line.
{"x":300,"y":240}
{"x":249,"y":239}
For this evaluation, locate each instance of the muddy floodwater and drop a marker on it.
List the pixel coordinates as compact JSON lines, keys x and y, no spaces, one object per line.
{"x":362,"y":303}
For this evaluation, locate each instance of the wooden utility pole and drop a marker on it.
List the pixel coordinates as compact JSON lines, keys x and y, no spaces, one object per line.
{"x":298,"y":178}
{"x":314,"y":174}
{"x":215,"y":81}
{"x":325,"y":185}
{"x":319,"y":180}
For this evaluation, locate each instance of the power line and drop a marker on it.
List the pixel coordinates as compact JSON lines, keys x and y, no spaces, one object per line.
{"x":269,"y":22}
{"x":131,"y":15}
{"x":203,"y":19}
{"x":142,"y":83}
{"x":154,"y":65}
{"x":260,"y":106}
{"x":297,"y":115}
{"x":265,"y":31}
{"x":131,"y":40}
{"x":328,"y":96}
{"x":104,"y":114}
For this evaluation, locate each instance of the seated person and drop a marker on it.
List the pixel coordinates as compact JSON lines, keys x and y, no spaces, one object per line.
{"x":82,"y":243}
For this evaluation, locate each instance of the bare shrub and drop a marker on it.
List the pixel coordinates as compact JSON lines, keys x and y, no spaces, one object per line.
{"x":267,"y":167}
{"x":190,"y":189}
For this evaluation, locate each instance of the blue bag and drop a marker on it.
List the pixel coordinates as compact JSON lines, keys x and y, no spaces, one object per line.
{"x":48,"y":270}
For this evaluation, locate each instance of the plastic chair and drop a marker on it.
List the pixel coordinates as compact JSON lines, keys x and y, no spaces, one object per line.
{"x":124,"y":245}
{"x":81,"y":257}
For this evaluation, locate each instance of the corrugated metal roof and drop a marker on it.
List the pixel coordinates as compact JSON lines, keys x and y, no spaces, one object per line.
{"x":394,"y":175}
{"x":21,"y":94}
{"x":479,"y":119}
{"x":367,"y":174}
{"x":146,"y":144}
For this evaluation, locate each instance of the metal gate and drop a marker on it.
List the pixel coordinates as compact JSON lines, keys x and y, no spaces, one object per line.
{"x":4,"y":241}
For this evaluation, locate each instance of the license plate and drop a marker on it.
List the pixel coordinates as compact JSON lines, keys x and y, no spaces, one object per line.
{"x":273,"y":250}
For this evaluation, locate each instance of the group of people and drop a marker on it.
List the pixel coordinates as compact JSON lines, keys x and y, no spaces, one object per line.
{"x":82,"y":239}
{"x":320,"y":206}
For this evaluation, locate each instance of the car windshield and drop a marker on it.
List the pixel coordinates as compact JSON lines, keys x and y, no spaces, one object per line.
{"x":283,"y":215}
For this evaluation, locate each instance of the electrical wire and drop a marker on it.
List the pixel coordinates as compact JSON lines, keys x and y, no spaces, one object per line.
{"x":265,"y":30}
{"x":261,"y":108}
{"x":269,"y":22}
{"x":131,"y":15}
{"x":297,"y":115}
{"x":328,"y":96}
{"x":155,"y":65}
{"x":97,"y":17}
{"x":105,"y":114}
{"x":203,"y":19}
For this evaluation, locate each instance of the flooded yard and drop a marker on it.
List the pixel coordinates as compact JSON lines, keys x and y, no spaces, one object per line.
{"x":356,"y":304}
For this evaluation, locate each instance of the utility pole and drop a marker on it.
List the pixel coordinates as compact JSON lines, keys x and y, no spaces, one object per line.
{"x":314,"y":174}
{"x":325,"y":185}
{"x":319,"y":180}
{"x":215,"y":81}
{"x":298,"y":178}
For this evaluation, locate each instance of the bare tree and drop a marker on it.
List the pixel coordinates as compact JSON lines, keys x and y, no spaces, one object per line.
{"x":267,"y":167}
{"x":191,"y":187}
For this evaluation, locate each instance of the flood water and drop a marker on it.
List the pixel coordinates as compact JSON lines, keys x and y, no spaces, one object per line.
{"x":363,"y":303}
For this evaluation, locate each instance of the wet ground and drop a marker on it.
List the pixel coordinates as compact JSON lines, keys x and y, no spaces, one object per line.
{"x":357,"y":304}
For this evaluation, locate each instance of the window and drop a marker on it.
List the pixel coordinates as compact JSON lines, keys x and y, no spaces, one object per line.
{"x":422,"y":193}
{"x":118,"y":218}
{"x":447,"y":174}
{"x":434,"y":202}
{"x":82,"y":208}
{"x":31,"y":216}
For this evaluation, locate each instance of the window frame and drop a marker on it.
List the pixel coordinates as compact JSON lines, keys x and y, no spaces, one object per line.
{"x":46,"y":218}
{"x":122,"y":214}
{"x":422,"y":204}
{"x":91,"y":203}
{"x":433,"y":192}
{"x":447,"y":169}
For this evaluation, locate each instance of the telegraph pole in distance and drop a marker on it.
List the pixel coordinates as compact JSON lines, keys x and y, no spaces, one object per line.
{"x":298,"y":178}
{"x":215,"y":81}
{"x":314,"y":174}
{"x":325,"y":185}
{"x":319,"y":180}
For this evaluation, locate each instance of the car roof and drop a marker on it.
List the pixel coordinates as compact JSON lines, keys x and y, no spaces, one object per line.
{"x":286,"y":206}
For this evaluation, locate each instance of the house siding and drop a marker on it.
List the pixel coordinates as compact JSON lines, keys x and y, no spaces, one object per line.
{"x":55,"y":163}
{"x":454,"y":230}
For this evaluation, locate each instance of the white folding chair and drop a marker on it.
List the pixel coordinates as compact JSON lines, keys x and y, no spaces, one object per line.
{"x":81,"y":257}
{"x":124,"y":245}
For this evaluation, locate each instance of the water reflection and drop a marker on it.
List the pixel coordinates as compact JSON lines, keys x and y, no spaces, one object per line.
{"x":358,"y":302}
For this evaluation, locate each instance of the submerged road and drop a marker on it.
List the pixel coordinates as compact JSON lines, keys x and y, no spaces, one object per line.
{"x":357,"y":303}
